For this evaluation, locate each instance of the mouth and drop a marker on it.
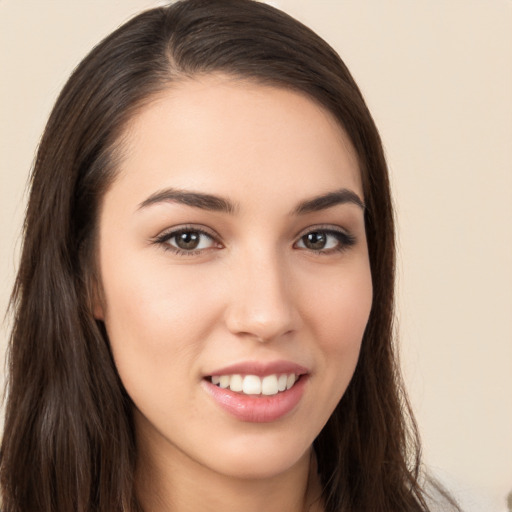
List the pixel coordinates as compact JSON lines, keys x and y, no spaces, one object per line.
{"x":258,"y":392}
{"x":255,"y":385}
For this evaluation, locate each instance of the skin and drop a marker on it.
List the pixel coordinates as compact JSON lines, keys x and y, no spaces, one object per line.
{"x":253,"y":291}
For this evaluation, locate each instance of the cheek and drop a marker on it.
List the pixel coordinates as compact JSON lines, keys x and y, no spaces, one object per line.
{"x":151,"y":295}
{"x":152,"y":319}
{"x":338,"y":313}
{"x":339,"y":304}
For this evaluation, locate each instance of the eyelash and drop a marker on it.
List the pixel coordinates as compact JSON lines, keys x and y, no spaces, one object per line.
{"x":344,"y":240}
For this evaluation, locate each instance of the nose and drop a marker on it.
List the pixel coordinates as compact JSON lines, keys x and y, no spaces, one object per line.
{"x":262,"y":304}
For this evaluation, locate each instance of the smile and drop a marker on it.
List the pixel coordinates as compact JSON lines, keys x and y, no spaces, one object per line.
{"x":254,"y":385}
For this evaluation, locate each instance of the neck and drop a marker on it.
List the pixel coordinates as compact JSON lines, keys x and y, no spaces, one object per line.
{"x":179,"y":484}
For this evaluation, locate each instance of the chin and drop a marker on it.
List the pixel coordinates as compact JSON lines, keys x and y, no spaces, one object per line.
{"x":257,"y":459}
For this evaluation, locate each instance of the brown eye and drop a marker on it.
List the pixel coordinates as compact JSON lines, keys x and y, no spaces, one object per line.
{"x":325,"y":241}
{"x":187,"y":240}
{"x":315,"y":241}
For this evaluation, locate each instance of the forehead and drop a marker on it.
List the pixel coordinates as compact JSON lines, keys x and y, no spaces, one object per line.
{"x":229,"y":135}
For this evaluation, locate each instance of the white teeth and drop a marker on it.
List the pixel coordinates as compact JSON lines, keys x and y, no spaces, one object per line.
{"x":290,"y":381}
{"x":254,"y":385}
{"x":236,"y":383}
{"x":269,"y":385}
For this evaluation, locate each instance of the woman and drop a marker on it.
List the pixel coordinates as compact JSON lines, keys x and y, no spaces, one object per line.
{"x":205,"y":300}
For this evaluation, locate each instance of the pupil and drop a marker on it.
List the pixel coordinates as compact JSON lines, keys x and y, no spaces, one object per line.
{"x":188,"y":240}
{"x":315,"y":240}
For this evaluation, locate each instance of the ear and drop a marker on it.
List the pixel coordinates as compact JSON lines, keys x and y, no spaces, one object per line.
{"x":97,"y":311}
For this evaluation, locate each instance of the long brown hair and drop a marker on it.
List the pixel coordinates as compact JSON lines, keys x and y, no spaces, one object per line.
{"x":68,"y":441}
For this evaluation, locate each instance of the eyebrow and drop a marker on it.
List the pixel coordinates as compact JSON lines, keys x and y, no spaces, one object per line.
{"x":194,"y":199}
{"x":324,"y":201}
{"x":219,"y":204}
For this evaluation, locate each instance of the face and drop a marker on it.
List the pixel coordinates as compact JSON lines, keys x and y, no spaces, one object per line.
{"x":235,"y":275}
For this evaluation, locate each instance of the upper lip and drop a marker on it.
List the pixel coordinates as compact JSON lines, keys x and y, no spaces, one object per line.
{"x":261,"y":368}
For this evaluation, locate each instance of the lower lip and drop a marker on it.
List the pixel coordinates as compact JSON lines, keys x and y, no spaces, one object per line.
{"x":257,"y":408}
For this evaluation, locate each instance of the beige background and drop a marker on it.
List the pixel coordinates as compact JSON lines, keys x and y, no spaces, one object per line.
{"x":437,"y":75}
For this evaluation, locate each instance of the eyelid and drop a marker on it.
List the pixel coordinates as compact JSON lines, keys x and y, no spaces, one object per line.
{"x":187,"y":227}
{"x":328,"y":228}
